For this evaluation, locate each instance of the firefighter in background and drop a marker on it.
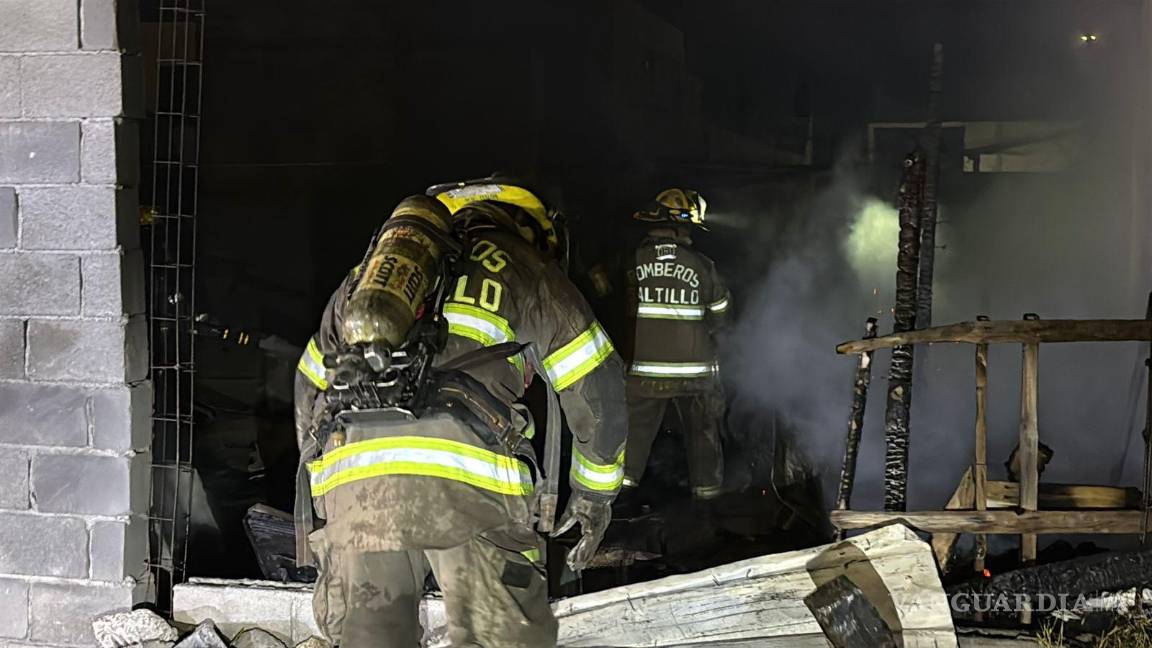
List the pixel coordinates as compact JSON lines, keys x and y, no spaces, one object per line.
{"x":677,"y":302}
{"x":450,"y":490}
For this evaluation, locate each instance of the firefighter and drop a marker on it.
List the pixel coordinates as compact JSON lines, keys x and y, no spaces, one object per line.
{"x":450,"y":491}
{"x":676,"y":302}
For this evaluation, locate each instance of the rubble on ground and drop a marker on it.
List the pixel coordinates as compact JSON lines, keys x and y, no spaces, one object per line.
{"x":133,"y":629}
{"x":204,"y":636}
{"x":146,"y":629}
{"x":256,"y":638}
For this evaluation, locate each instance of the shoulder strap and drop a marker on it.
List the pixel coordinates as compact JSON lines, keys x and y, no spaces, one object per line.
{"x":483,"y":355}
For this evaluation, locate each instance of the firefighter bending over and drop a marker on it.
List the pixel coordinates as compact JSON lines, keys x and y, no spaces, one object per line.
{"x":678,"y":302}
{"x":439,"y":475}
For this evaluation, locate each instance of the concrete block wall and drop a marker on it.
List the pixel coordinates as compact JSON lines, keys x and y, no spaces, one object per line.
{"x":75,"y":405}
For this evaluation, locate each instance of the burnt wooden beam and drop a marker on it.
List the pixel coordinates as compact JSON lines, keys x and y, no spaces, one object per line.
{"x":847,"y":617}
{"x":899,"y":403}
{"x":928,"y":208}
{"x":1015,"y":331}
{"x":997,"y":522}
{"x":1104,"y":572}
{"x":860,"y":383}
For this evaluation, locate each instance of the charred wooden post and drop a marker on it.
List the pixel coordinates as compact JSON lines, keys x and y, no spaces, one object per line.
{"x":1104,"y":572}
{"x":856,"y":420}
{"x":929,"y":210}
{"x":980,"y":465}
{"x":1147,"y":491}
{"x":847,"y":617}
{"x":1029,"y":448}
{"x":900,"y":376}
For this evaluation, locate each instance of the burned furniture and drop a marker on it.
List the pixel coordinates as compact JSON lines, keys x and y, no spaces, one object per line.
{"x":981,"y":506}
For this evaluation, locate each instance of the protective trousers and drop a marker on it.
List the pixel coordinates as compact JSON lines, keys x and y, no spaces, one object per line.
{"x":700,"y":412}
{"x":494,"y":587}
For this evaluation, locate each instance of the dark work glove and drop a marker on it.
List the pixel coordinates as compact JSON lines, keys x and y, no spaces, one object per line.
{"x":593,"y":513}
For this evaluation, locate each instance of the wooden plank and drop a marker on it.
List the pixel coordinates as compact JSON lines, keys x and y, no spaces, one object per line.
{"x":1004,"y":494}
{"x":763,"y":598}
{"x":963,"y":498}
{"x":997,"y":522}
{"x":980,"y":451}
{"x":1029,"y":451}
{"x":1021,"y":331}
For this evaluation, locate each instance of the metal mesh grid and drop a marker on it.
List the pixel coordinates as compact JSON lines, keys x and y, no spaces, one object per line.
{"x":170,"y":228}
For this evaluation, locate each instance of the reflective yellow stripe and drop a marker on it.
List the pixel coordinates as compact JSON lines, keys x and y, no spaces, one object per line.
{"x":576,"y":359}
{"x":533,"y":555}
{"x":312,"y":365}
{"x":594,"y":476}
{"x":719,"y":306}
{"x":420,"y":456}
{"x":481,"y":326}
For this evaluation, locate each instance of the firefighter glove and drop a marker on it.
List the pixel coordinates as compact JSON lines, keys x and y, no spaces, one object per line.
{"x":593,"y":513}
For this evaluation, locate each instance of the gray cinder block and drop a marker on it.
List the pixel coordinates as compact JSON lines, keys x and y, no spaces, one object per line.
{"x":37,"y":545}
{"x":13,"y":480}
{"x":110,"y":152}
{"x":40,"y":152}
{"x":39,"y":284}
{"x":9,"y":86}
{"x":119,"y":549}
{"x":38,"y":25}
{"x":14,"y":611}
{"x":8,"y":221}
{"x":82,"y":484}
{"x":63,"y":613}
{"x":49,"y":415}
{"x":11,"y":349}
{"x":68,"y":218}
{"x":113,"y":283}
{"x":122,"y":418}
{"x":76,"y":350}
{"x":78,"y":85}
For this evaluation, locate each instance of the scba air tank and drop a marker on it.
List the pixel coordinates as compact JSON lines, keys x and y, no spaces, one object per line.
{"x":398,"y":274}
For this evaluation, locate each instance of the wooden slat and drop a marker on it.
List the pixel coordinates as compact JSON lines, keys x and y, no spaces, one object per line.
{"x":1003,"y":494}
{"x":1022,"y":331}
{"x":997,"y":522}
{"x":980,"y":458}
{"x":962,"y":499}
{"x":1029,"y":450}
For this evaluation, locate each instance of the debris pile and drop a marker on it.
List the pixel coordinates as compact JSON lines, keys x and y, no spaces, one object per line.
{"x":145,"y":629}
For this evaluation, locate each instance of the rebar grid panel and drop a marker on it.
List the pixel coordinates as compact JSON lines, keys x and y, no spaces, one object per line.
{"x":170,"y":224}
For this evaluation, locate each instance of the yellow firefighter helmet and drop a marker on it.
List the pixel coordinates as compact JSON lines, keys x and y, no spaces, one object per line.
{"x":533,"y":220}
{"x":676,"y":206}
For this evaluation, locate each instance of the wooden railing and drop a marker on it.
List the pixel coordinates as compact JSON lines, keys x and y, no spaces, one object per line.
{"x":1026,"y":519}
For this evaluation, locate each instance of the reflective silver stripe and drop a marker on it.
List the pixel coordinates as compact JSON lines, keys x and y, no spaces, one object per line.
{"x":491,"y":333}
{"x":594,"y":476}
{"x":574,"y":360}
{"x":667,"y":311}
{"x":481,"y":326}
{"x":672,"y":369}
{"x":719,"y":306}
{"x":420,"y":457}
